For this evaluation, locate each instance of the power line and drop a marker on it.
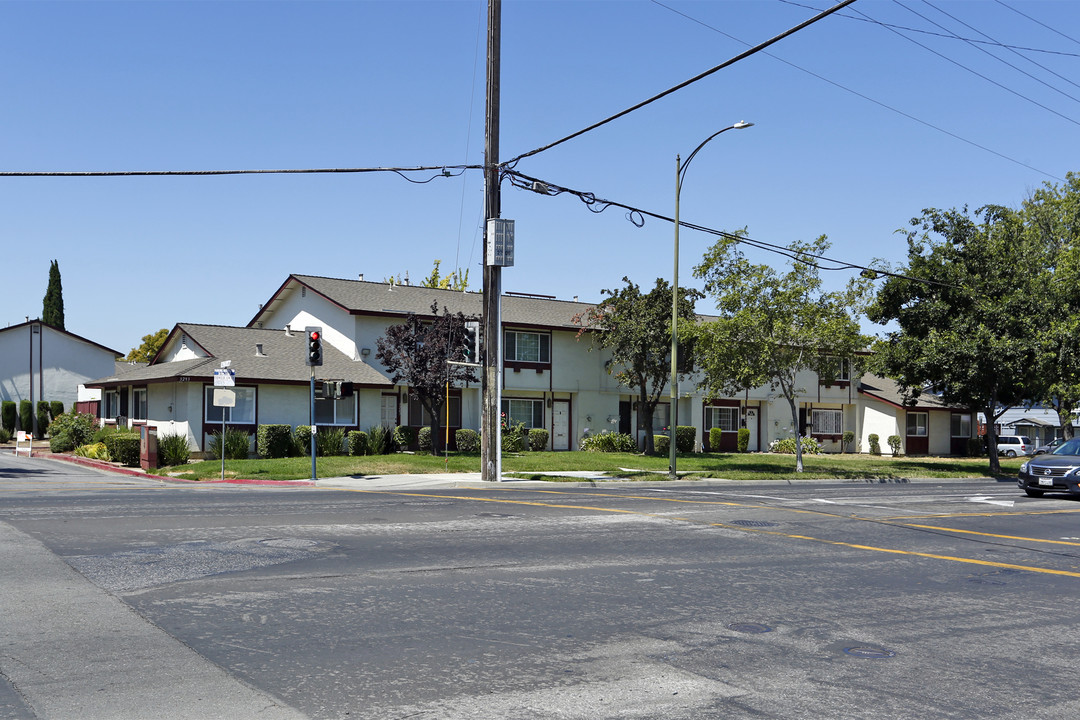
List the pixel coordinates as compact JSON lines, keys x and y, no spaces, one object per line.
{"x":1037,"y":22}
{"x":443,"y":171}
{"x":949,"y":35}
{"x":863,"y":96}
{"x":637,"y":216}
{"x":680,"y":86}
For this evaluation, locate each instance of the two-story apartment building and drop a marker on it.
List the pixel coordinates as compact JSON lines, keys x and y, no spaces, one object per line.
{"x":552,"y":376}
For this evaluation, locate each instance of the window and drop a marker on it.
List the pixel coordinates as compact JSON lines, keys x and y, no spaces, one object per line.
{"x":528,"y":347}
{"x":530,"y":412}
{"x":836,"y":370}
{"x":243,"y":413}
{"x":420,"y":417}
{"x":111,"y":406}
{"x":827,"y":422}
{"x":918,"y":424}
{"x":725,"y":418}
{"x":660,"y":418}
{"x":329,"y":411}
{"x":961,"y":425}
{"x":138,"y":404}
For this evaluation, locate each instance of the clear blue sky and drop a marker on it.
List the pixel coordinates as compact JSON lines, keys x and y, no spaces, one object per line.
{"x":857,"y":129}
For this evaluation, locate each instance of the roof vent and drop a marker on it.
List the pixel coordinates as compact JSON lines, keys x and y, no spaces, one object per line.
{"x":259,"y":351}
{"x":288,"y":330}
{"x":361,"y":277}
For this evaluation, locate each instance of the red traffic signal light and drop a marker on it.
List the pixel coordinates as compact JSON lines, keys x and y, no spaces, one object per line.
{"x":314,"y":347}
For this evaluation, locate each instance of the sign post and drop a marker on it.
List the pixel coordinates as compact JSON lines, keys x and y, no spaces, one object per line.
{"x":224,"y":379}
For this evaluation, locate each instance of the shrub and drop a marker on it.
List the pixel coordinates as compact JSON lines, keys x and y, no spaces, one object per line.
{"x":848,"y":439}
{"x":7,"y":415}
{"x":302,"y":440}
{"x":716,"y":436}
{"x":538,"y":439}
{"x":94,"y":451}
{"x":359,"y":443}
{"x":405,"y":437}
{"x":662,"y":444}
{"x":685,"y":438}
{"x":237,"y":444}
{"x":380,"y":440}
{"x":875,"y":444}
{"x":26,"y":422}
{"x":609,"y":442}
{"x":423,"y":439}
{"x":124,"y":448}
{"x":5,"y":436}
{"x":56,"y":409}
{"x":43,"y":418}
{"x":102,"y":434}
{"x":71,"y":430}
{"x":468,"y":440}
{"x":975,"y":447}
{"x":744,"y":439}
{"x":173,"y":450}
{"x":786,"y":446}
{"x":274,"y":441}
{"x":330,"y":442}
{"x":894,"y":444}
{"x":513,"y":442}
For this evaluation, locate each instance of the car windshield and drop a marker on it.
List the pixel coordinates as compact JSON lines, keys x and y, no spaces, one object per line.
{"x":1069,"y":447}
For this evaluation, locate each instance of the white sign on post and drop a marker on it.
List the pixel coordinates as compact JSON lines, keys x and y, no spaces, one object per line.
{"x":224,"y":397}
{"x":225,"y":377}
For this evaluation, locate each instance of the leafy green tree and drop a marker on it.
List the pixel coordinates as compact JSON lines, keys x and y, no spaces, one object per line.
{"x":967,"y":308}
{"x":416,"y":354}
{"x":52,"y":311}
{"x":636,"y":329}
{"x":773,"y":326}
{"x":454,"y":281}
{"x":1052,"y":217}
{"x":149,"y":348}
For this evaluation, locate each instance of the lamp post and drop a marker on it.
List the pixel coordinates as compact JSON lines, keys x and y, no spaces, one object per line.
{"x":680,"y":173}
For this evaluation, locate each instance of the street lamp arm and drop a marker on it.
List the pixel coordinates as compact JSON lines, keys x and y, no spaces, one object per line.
{"x":682,"y":171}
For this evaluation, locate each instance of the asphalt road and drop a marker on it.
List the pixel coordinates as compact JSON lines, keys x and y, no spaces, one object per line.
{"x":131,"y":598}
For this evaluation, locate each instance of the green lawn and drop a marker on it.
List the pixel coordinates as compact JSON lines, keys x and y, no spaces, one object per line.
{"x":749,"y":466}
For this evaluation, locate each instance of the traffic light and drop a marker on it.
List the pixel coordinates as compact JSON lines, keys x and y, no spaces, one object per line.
{"x":471,"y":341}
{"x":314,"y":346}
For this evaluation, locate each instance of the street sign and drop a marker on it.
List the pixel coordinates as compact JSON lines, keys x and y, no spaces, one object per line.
{"x":224,"y":377}
{"x":224,"y":397}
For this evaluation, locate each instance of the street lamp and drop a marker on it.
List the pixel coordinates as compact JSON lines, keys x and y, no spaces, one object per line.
{"x":680,"y":172}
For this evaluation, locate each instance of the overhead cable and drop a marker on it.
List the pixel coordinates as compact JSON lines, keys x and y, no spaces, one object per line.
{"x":443,"y":171}
{"x":680,"y":86}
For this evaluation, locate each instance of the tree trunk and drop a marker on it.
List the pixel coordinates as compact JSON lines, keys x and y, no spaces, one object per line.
{"x":647,"y":412}
{"x":798,"y":435}
{"x":991,"y":442}
{"x":1065,"y":420}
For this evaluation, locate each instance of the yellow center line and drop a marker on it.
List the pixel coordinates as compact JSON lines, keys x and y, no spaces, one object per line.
{"x":993,"y":535}
{"x":838,"y":543}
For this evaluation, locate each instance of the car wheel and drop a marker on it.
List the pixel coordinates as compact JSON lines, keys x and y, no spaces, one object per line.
{"x":1010,"y":453}
{"x":1033,"y":493}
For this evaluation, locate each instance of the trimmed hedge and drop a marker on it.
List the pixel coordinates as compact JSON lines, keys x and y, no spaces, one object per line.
{"x":405,"y":437}
{"x":685,"y":438}
{"x":43,"y":419}
{"x":716,"y":436}
{"x":8,"y":414}
{"x":423,"y":439}
{"x":609,"y":442}
{"x":26,"y":421}
{"x":274,"y":441}
{"x":359,"y":443}
{"x":662,"y":444}
{"x":538,"y":439}
{"x":468,"y":440}
{"x":302,"y":440}
{"x":56,"y":409}
{"x":124,"y":448}
{"x":744,"y":439}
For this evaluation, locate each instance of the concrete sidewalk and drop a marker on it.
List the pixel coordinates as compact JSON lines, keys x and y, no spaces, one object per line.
{"x":72,"y":650}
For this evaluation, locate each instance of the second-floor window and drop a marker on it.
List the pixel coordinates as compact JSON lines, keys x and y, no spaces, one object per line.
{"x":836,"y":370}
{"x":527,"y":347}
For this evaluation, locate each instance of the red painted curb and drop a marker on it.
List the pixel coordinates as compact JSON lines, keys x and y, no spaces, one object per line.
{"x":108,"y":467}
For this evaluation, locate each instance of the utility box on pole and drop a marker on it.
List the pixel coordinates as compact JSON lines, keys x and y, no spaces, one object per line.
{"x":500,"y":242}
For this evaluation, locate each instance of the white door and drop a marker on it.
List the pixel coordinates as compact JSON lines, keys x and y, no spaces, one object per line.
{"x":752,"y":426}
{"x":560,"y":425}
{"x":389,"y":411}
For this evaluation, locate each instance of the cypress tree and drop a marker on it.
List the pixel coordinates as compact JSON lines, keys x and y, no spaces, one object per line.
{"x":52,"y":312}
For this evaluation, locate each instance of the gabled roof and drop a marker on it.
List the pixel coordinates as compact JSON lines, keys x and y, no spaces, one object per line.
{"x":358,"y":297}
{"x":28,"y":323}
{"x":889,"y":391}
{"x":282,"y":360}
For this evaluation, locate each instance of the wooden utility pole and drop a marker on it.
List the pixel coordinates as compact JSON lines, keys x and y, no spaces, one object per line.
{"x":491,"y":385}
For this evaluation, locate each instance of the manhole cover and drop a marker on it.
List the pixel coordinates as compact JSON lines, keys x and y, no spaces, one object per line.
{"x":755,"y":628}
{"x":871,"y":653}
{"x":753,"y":523}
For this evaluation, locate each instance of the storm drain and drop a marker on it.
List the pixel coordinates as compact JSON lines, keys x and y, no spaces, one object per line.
{"x":753,"y":523}
{"x":753,"y":628}
{"x":868,"y":652}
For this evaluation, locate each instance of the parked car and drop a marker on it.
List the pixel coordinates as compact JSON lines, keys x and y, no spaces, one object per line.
{"x":1048,"y":447}
{"x":1058,"y":471}
{"x":1013,"y":445}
